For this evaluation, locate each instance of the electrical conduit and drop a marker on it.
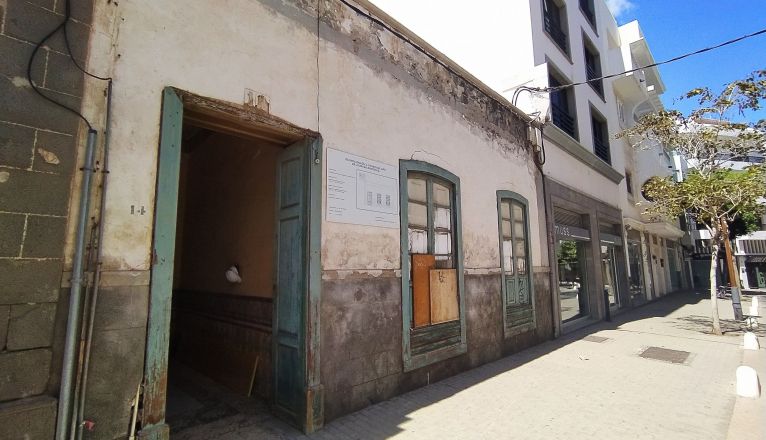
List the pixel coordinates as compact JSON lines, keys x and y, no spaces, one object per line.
{"x":63,"y":416}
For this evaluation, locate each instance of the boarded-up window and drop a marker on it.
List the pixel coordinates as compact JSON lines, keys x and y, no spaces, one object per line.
{"x":430,"y":233}
{"x":515,"y":263}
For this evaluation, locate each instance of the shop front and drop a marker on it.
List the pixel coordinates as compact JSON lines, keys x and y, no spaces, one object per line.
{"x":636,"y":284}
{"x":572,"y":249}
{"x":587,"y":244}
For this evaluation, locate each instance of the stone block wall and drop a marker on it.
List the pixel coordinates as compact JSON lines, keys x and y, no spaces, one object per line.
{"x":37,"y":165}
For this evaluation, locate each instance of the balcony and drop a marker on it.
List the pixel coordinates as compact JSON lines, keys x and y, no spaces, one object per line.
{"x":563,"y":120}
{"x":592,"y":73}
{"x":553,"y":28}
{"x":601,"y":149}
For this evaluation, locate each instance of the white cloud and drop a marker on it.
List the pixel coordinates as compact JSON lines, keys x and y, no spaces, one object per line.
{"x":618,"y":7}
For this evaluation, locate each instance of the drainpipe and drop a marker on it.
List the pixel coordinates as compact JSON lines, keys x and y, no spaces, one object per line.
{"x":80,"y":410}
{"x":63,"y":417}
{"x":550,"y":244}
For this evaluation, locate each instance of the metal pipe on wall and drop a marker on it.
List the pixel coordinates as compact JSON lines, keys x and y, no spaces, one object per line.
{"x":63,"y":416}
{"x":80,"y":409}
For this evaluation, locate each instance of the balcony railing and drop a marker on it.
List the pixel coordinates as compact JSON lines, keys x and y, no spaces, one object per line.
{"x":601,"y":148}
{"x":553,"y":28}
{"x":592,"y":74}
{"x":563,"y":120}
{"x":753,"y":246}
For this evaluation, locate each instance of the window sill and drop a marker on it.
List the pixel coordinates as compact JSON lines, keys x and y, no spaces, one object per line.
{"x":422,"y":360}
{"x":515,"y":331}
{"x":576,"y":149}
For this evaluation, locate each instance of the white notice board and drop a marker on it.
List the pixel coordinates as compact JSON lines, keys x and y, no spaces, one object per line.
{"x":361,"y":191}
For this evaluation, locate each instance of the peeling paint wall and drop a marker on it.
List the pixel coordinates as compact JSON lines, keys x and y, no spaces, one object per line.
{"x":371,"y":94}
{"x":367,"y":93}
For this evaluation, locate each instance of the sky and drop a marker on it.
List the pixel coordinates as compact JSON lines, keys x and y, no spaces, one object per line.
{"x":671,"y":28}
{"x":675,"y":27}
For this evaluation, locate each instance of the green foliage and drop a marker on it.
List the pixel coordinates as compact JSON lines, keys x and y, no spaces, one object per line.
{"x":567,"y":251}
{"x":744,"y":223}
{"x":707,"y":139}
{"x":722,"y":194}
{"x":713,"y":193}
{"x":706,"y":136}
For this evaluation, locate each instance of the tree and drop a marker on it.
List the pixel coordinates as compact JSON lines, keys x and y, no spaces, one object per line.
{"x":707,"y":138}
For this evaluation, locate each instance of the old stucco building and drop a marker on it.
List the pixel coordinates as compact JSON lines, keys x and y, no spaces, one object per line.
{"x":549,"y":56}
{"x":301,"y":200}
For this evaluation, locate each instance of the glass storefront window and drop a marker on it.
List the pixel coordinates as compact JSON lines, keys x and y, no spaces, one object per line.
{"x":609,"y":273}
{"x":573,"y":290}
{"x":636,"y":279}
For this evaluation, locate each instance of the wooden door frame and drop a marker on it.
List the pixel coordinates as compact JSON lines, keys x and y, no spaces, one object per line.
{"x":179,"y":107}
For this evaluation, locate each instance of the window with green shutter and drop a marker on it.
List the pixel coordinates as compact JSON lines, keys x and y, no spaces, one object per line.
{"x":515,"y":263}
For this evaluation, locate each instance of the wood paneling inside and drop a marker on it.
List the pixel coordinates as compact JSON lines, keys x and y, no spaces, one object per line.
{"x":221,"y":336}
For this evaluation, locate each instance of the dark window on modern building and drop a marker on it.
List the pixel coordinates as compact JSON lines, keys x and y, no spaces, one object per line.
{"x":600,"y":137}
{"x":629,"y":182}
{"x":593,"y":68}
{"x":555,"y":23}
{"x":589,"y":11}
{"x":562,"y":107}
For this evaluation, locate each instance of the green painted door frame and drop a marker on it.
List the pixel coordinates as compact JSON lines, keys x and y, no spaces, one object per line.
{"x":307,"y":413}
{"x":295,"y":358}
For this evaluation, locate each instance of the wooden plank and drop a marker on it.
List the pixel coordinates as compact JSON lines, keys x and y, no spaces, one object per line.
{"x":252,"y":377}
{"x":444,"y":300}
{"x":422,"y":264}
{"x":435,"y":336}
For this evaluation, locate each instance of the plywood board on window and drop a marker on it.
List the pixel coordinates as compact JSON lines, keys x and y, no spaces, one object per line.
{"x":444,"y":301}
{"x":422,"y":264}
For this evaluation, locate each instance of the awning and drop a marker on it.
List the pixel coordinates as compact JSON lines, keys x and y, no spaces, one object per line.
{"x":664,"y":230}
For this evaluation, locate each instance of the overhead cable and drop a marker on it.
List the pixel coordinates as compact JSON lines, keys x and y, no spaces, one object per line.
{"x":671,"y":60}
{"x":540,"y":89}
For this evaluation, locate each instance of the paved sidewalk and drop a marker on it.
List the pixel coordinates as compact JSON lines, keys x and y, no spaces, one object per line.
{"x":576,"y":387}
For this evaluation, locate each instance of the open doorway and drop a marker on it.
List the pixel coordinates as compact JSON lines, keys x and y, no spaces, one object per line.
{"x":235,"y":268}
{"x":223,"y":277}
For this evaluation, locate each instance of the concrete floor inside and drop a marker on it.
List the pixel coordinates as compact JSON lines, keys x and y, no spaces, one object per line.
{"x":200,"y":408}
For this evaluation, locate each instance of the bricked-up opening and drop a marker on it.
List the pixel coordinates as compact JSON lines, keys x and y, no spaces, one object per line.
{"x":221,"y":325}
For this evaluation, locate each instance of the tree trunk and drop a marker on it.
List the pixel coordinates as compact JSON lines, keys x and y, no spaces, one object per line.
{"x":713,"y":287}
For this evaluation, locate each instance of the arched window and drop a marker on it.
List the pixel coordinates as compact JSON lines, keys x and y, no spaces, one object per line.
{"x":433,"y":305}
{"x":515,"y":263}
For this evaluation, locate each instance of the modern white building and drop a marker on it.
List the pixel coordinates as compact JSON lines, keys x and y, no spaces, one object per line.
{"x":605,"y":251}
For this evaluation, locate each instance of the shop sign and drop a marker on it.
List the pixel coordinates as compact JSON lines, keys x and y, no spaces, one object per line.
{"x":571,"y":232}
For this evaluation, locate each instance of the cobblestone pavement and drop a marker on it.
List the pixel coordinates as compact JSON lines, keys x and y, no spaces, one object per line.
{"x":570,"y":388}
